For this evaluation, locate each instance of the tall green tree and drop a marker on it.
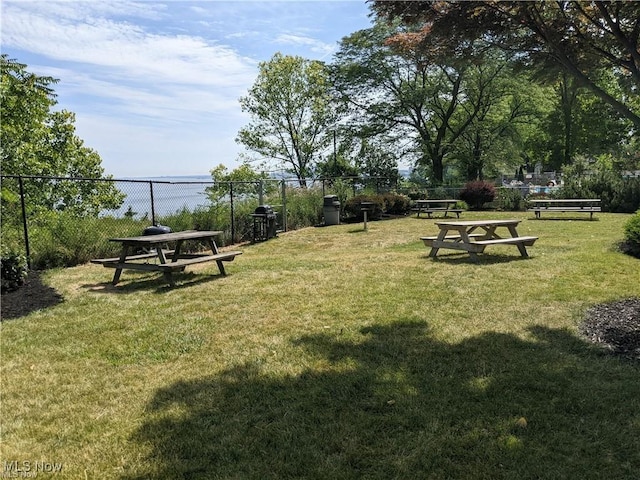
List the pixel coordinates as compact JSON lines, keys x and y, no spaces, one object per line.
{"x":244,"y":181}
{"x":582,"y":124}
{"x":580,"y":37}
{"x":511,"y":107}
{"x":292,"y":114}
{"x":425,"y":102}
{"x":36,"y":140}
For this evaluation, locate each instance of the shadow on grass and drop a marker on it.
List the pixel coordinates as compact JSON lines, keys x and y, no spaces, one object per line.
{"x":34,"y":295}
{"x":398,"y":403}
{"x":565,"y":219}
{"x":153,"y":281}
{"x":483,"y":258}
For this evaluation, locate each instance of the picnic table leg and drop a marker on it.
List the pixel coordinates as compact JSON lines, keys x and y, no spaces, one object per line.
{"x":441,"y":235}
{"x":168,"y":274}
{"x":176,"y":252}
{"x":464,"y":235}
{"x":214,"y":249}
{"x":521,"y":247}
{"x":123,"y":258}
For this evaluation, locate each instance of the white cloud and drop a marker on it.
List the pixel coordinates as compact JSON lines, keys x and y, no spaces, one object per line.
{"x":129,"y":49}
{"x":155,"y":86}
{"x":300,"y":40}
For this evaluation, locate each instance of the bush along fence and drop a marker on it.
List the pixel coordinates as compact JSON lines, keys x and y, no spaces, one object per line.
{"x":61,"y":221}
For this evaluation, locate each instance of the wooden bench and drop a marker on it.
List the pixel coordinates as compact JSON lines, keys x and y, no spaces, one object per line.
{"x":580,"y":205}
{"x":428,"y":241}
{"x":520,"y":242}
{"x":478,"y":246}
{"x":185,"y":260}
{"x":174,"y":265}
{"x":431,"y":210}
{"x":142,"y":256}
{"x":527,"y":241}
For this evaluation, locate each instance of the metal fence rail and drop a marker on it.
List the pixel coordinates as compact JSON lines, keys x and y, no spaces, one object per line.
{"x":27,"y":201}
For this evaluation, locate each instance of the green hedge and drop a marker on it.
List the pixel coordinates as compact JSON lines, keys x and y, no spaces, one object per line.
{"x":14,"y":269}
{"x":389,"y":203}
{"x":618,"y":194}
{"x":632,"y":235}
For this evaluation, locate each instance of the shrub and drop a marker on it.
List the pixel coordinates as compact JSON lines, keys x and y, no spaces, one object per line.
{"x":632,"y":235}
{"x":510,"y":199}
{"x":62,"y":239}
{"x":353,"y":208}
{"x":14,"y":269}
{"x":477,"y":193}
{"x":304,"y":207}
{"x":618,"y":194}
{"x":396,"y":204}
{"x":439,"y":193}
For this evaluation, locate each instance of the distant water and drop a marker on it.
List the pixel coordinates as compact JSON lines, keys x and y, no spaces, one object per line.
{"x":170,"y":194}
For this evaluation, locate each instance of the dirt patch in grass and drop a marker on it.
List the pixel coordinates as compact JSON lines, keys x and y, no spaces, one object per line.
{"x":615,"y":326}
{"x":32,"y":296}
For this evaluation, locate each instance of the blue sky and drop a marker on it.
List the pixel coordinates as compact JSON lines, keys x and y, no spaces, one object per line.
{"x":155,"y":84}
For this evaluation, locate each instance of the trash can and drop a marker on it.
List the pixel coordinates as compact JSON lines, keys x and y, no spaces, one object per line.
{"x":331,"y":210}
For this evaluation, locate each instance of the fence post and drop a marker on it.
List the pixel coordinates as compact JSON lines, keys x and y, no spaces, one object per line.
{"x":233,"y":226}
{"x":153,"y":210}
{"x":284,"y":205}
{"x":24,"y":222}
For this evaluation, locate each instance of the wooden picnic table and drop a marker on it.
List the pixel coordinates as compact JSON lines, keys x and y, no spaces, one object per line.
{"x":155,"y":248}
{"x":580,"y":205}
{"x":474,"y":235}
{"x":434,"y":205}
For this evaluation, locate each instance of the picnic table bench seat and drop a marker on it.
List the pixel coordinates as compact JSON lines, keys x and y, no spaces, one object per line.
{"x":185,"y":260}
{"x":428,"y":241}
{"x":178,"y":264}
{"x":478,"y":246}
{"x":580,"y":205}
{"x":141,"y":256}
{"x":527,"y":241}
{"x":431,"y":210}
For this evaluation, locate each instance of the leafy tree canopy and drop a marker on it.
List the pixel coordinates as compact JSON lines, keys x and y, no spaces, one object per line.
{"x":35,"y":140}
{"x":244,"y":180}
{"x":292,"y":113}
{"x":581,"y":37}
{"x":434,"y":109}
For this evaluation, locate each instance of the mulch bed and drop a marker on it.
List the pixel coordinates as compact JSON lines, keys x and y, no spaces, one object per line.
{"x":615,"y":326}
{"x":31,"y":296}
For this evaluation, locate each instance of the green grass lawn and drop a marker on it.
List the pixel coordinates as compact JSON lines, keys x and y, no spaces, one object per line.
{"x":334,"y":353}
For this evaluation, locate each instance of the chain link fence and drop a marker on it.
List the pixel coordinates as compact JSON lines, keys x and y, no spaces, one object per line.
{"x":56,"y":221}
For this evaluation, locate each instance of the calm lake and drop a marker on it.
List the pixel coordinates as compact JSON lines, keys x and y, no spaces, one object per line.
{"x":170,"y":194}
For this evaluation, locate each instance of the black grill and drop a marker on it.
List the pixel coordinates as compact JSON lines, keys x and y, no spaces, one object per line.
{"x":264,"y":210}
{"x":156,"y":230}
{"x":264,"y":223}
